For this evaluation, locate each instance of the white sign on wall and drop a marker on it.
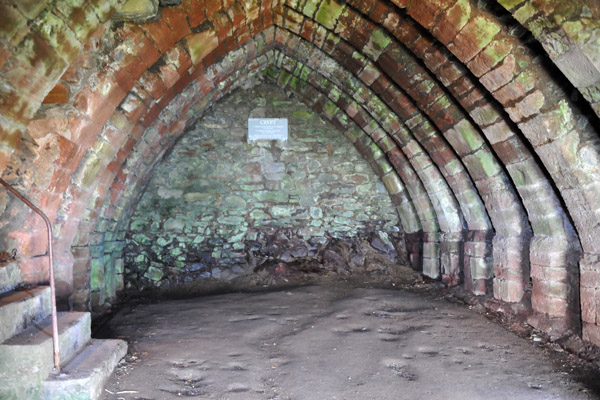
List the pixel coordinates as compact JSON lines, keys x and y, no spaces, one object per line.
{"x":267,"y":129}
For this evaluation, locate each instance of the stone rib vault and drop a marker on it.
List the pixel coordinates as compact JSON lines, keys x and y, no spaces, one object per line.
{"x":481,"y":119}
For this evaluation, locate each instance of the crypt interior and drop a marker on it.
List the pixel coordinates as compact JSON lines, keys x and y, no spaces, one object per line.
{"x":452,"y":143}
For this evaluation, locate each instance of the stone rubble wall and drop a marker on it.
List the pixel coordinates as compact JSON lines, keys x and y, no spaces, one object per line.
{"x":218,"y":207}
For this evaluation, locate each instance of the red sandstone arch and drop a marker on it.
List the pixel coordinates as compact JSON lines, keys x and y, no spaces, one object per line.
{"x":117,"y":121}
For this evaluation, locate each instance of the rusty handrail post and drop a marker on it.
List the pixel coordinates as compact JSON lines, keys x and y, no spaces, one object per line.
{"x":51,"y":261}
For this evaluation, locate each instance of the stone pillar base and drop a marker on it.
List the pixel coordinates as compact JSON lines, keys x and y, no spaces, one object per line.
{"x":478,"y":262}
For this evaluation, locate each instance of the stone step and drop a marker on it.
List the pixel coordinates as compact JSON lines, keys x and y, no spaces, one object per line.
{"x":20,"y":309}
{"x":10,"y":276}
{"x":85,"y":376}
{"x":27,"y":358}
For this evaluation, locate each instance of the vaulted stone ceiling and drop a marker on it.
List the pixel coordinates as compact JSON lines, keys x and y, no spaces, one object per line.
{"x":481,"y":118}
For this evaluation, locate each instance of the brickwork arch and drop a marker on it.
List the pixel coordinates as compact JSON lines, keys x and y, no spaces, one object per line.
{"x":468,"y":137}
{"x":484,"y":146}
{"x":187,"y":107}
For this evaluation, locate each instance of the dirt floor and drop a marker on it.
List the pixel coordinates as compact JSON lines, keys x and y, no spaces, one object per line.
{"x":333,"y":341}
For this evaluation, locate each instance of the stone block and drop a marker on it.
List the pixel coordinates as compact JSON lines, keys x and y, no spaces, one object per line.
{"x":431,"y":250}
{"x":28,"y":243}
{"x":498,"y":132}
{"x":482,"y":164}
{"x":508,"y":290}
{"x":20,"y":309}
{"x":392,"y":183}
{"x":56,"y":32}
{"x":474,"y":37}
{"x":425,"y":13}
{"x":478,"y":249}
{"x":450,"y":72}
{"x":380,"y":12}
{"x":490,"y":57}
{"x":201,"y":44}
{"x":511,"y":151}
{"x":522,"y":84}
{"x":455,"y":18}
{"x":377,"y":43}
{"x":328,"y":13}
{"x":527,"y":107}
{"x":500,"y":76}
{"x":577,"y":67}
{"x":590,"y":268}
{"x":58,"y":95}
{"x":558,"y":307}
{"x":451,"y":266}
{"x":293,"y":21}
{"x":480,"y":267}
{"x":554,"y":252}
{"x":464,"y":137}
{"x":591,"y":333}
{"x":589,"y":305}
{"x":431,"y":267}
{"x":10,"y":276}
{"x":28,"y":356}
{"x":511,"y":257}
{"x":84,"y":377}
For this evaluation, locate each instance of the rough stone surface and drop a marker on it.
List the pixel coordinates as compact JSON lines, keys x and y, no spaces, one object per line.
{"x":85,"y":376}
{"x":331,"y":341}
{"x":220,"y":208}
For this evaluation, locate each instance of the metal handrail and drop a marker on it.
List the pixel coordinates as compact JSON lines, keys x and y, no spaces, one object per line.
{"x":51,"y":260}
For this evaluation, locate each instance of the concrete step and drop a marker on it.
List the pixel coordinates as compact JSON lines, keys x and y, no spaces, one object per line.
{"x":21,"y":309}
{"x":27,"y":358}
{"x":10,"y":276}
{"x":85,"y":376}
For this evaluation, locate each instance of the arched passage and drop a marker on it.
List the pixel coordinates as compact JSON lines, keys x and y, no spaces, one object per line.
{"x":491,"y":162}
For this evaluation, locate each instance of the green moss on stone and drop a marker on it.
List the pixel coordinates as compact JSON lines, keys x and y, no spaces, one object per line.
{"x":488,"y":163}
{"x":305,"y":73}
{"x":359,"y":57}
{"x":386,"y":144}
{"x":310,"y":7}
{"x":376,"y":152}
{"x":343,"y":119}
{"x":96,"y":274}
{"x":527,"y":80}
{"x":330,"y":108}
{"x":329,"y":12}
{"x":353,"y":134}
{"x":334,"y":93}
{"x":577,"y":32}
{"x":392,"y":183}
{"x":154,"y":274}
{"x":377,"y":43}
{"x":58,"y":34}
{"x":496,"y":51}
{"x":510,"y":4}
{"x":230,"y":177}
{"x":302,"y":114}
{"x":481,"y":30}
{"x":524,"y":13}
{"x":469,"y":134}
{"x":284,"y":77}
{"x":92,"y":166}
{"x":298,"y":69}
{"x":278,"y":197}
{"x":201,"y":44}
{"x":458,"y":15}
{"x":385,"y":166}
{"x":378,"y":107}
